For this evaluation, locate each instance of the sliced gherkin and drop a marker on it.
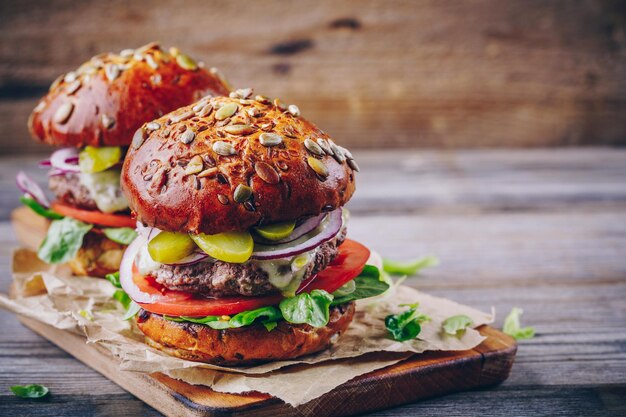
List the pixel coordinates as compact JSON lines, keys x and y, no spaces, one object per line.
{"x":92,"y":159}
{"x":170,"y":247}
{"x":276,"y":231}
{"x":232,"y":247}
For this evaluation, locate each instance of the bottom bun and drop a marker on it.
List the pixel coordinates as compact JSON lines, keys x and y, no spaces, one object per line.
{"x":97,"y":256}
{"x":242,"y":346}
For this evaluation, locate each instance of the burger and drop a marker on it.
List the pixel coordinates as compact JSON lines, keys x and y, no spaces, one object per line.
{"x":91,"y":114}
{"x":241,"y":255}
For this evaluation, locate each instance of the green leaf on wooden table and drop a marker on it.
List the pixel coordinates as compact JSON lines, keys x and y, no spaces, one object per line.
{"x":410,"y":267}
{"x":63,"y":240}
{"x":30,"y":391}
{"x":456,"y":324}
{"x":513,"y":328}
{"x":406,"y":325}
{"x":122,"y":235}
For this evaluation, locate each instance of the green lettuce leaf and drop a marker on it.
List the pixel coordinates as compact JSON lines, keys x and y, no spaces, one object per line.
{"x":123,"y":298}
{"x":63,"y":240}
{"x":306,"y":308}
{"x":30,"y":391}
{"x":122,"y":235}
{"x":456,"y":324}
{"x":513,"y":328}
{"x":406,"y":325}
{"x":32,"y":204}
{"x":409,"y":268}
{"x":114,"y":279}
{"x":270,"y":325}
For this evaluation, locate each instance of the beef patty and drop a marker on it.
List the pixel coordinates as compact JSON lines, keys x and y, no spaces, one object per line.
{"x":69,"y":190}
{"x":222,"y":278}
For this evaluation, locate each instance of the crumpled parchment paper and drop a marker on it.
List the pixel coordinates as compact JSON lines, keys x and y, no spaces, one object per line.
{"x":83,"y":305}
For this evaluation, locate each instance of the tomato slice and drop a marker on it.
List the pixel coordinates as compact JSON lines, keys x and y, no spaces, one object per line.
{"x":94,"y":216}
{"x":347,"y":265}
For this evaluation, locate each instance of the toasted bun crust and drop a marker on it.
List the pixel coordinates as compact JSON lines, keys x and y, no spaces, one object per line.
{"x":107,"y":98}
{"x":243,"y":346}
{"x":204,"y":169}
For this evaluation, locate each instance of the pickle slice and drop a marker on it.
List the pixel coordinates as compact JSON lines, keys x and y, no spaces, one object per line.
{"x":92,"y":159}
{"x":232,"y":247}
{"x":276,"y":231}
{"x":170,"y":247}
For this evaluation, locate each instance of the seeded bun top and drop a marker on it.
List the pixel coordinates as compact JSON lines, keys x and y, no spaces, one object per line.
{"x":230,"y":163}
{"x":107,"y":98}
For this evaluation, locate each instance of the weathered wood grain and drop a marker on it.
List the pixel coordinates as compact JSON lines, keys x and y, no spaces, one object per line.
{"x":542,"y":230}
{"x":428,"y":375}
{"x":373,"y":73}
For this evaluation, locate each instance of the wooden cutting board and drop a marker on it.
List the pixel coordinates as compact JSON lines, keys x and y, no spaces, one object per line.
{"x":422,"y":376}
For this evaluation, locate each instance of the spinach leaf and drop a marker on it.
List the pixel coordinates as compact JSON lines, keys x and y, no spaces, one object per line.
{"x":32,"y":204}
{"x":513,"y":328}
{"x":264,"y":315}
{"x":366,"y":287}
{"x":30,"y":391}
{"x":306,"y":308}
{"x":122,"y":235}
{"x":406,"y":325}
{"x":63,"y":240}
{"x":455,"y":324}
{"x":409,"y":268}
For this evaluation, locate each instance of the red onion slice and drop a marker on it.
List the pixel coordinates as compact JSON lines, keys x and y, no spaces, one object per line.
{"x":28,"y":186}
{"x":66,"y":160}
{"x":56,"y":172}
{"x":45,"y":163}
{"x":283,"y":251}
{"x":148,"y":233}
{"x":192,"y":259}
{"x":306,"y":227}
{"x":126,"y":274}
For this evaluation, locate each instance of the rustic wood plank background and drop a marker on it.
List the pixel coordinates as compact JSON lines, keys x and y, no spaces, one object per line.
{"x":544,"y":230}
{"x":436,"y":73}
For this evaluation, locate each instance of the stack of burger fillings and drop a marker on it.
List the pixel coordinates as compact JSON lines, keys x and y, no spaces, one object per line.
{"x":241,"y":255}
{"x":92,"y":113}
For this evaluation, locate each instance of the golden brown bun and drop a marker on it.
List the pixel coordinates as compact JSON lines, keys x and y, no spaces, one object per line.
{"x":245,"y":345}
{"x":107,"y":98}
{"x":177,"y":175}
{"x":97,"y":256}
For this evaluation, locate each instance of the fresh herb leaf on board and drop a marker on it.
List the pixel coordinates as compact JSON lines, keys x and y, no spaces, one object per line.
{"x":513,"y":328}
{"x":406,"y":325}
{"x":455,"y":325}
{"x":409,"y":268}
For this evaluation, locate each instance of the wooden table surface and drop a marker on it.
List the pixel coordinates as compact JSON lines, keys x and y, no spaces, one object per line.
{"x":544,"y":230}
